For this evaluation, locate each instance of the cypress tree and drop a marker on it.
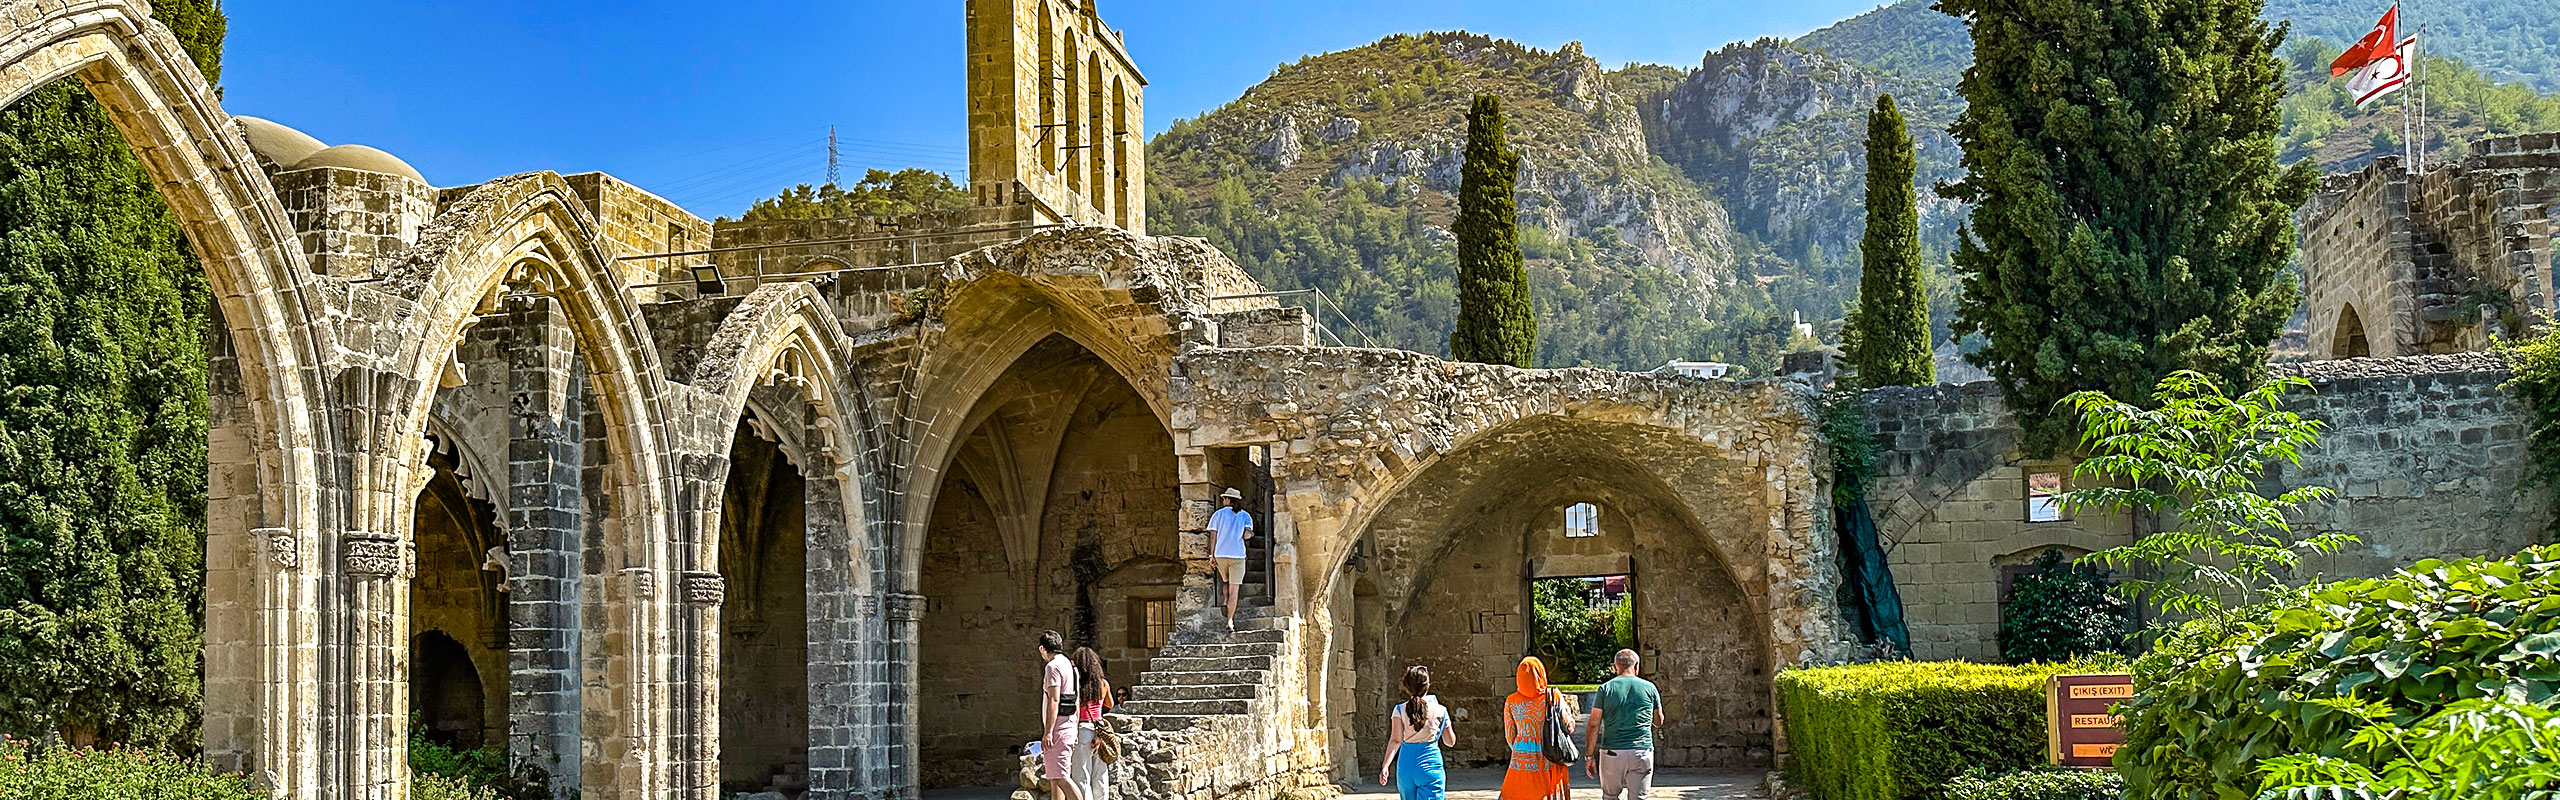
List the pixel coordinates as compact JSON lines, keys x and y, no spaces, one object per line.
{"x":1495,"y":322}
{"x":104,"y":316}
{"x":2129,"y":216}
{"x":1892,"y":345}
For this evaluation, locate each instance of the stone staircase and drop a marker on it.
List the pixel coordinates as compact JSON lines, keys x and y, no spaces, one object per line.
{"x":1223,"y":674}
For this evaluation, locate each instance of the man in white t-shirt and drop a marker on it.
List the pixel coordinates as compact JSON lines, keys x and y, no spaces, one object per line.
{"x":1228,"y":530}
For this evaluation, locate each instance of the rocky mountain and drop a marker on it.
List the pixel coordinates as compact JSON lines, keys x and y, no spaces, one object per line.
{"x":1356,"y":154}
{"x":1679,"y":212}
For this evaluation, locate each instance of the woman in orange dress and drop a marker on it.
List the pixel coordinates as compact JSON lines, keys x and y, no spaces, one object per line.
{"x":1524,"y":722}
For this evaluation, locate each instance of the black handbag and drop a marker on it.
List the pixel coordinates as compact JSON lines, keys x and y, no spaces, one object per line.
{"x":1558,"y":745}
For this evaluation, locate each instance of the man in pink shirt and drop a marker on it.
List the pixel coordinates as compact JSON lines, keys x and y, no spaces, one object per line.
{"x":1057,"y":716}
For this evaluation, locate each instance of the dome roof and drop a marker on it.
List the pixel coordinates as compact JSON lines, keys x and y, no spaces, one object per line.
{"x":356,"y":156}
{"x":278,"y":143}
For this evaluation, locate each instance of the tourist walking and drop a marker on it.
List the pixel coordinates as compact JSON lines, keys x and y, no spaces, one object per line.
{"x":1620,"y":734}
{"x":1091,"y":775}
{"x":1524,"y":723}
{"x":1057,"y":716}
{"x":1230,"y":527}
{"x":1416,"y":731}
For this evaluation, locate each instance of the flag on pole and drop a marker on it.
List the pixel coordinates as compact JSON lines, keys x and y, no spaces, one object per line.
{"x":2374,"y":46}
{"x":2381,"y":77}
{"x":2380,"y":61}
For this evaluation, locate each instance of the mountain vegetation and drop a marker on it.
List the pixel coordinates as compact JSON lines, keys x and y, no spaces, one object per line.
{"x":104,"y":317}
{"x":1311,"y":180}
{"x":2131,"y":219}
{"x":880,"y":193}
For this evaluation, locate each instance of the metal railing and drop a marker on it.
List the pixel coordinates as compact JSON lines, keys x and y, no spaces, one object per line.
{"x":1315,"y":313}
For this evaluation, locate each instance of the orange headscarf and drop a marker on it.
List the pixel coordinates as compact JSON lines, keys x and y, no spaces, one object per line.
{"x":1532,"y":680}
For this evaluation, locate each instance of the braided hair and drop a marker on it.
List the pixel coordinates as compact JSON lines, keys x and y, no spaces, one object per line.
{"x":1417,"y":685}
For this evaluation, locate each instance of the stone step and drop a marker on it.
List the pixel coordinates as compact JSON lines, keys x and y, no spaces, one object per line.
{"x":1161,"y":663}
{"x":1157,"y":677}
{"x":1210,"y":691}
{"x":1261,"y":623}
{"x":1243,"y":634}
{"x":1217,"y":650}
{"x":1170,"y":722}
{"x":1184,"y":708}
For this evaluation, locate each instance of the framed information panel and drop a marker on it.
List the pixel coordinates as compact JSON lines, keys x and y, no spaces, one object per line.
{"x":2079,"y":732}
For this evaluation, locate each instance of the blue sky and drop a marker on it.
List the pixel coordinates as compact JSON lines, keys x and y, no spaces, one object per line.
{"x":715,"y":104}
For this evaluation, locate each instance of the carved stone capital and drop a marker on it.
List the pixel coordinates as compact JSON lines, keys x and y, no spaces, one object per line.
{"x":643,"y":582}
{"x":374,"y":554}
{"x":278,"y":545}
{"x":904,"y":607}
{"x":704,"y":588}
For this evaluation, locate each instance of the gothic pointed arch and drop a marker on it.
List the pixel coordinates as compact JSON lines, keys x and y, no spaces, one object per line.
{"x":267,"y":532}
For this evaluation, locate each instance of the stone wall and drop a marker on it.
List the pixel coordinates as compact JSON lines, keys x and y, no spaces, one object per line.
{"x":2425,"y":453}
{"x":2410,"y":261}
{"x":1413,"y":490}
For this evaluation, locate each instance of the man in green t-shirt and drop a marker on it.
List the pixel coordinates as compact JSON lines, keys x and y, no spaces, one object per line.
{"x":1619,"y":738}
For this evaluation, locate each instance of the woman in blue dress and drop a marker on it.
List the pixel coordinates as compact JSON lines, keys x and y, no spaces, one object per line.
{"x":1416,"y":731}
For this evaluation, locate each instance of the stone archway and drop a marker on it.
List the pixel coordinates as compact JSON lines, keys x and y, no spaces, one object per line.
{"x":266,"y":560}
{"x":1060,"y":498}
{"x":775,"y":374}
{"x":1454,"y":549}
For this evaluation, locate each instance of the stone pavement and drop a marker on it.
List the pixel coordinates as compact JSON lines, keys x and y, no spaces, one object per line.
{"x":1673,"y":784}
{"x":1483,"y":784}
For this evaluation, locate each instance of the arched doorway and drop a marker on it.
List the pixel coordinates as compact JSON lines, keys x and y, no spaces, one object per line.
{"x":764,"y":621}
{"x":2350,"y":341}
{"x":1056,"y":511}
{"x":1452,"y":566}
{"x":457,"y":615}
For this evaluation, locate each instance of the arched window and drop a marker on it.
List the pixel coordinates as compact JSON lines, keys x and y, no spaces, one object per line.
{"x":1074,"y":137}
{"x":1581,"y":520}
{"x":1048,"y":77}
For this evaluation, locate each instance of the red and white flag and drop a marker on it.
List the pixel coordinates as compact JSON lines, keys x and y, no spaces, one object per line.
{"x":2382,"y":76}
{"x":2376,"y":45}
{"x":2380,"y":61}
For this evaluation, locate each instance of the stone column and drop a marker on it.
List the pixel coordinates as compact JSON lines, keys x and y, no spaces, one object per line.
{"x":699,"y":723}
{"x":843,"y":614}
{"x":377,"y":566}
{"x":902,"y":614}
{"x":545,"y":514}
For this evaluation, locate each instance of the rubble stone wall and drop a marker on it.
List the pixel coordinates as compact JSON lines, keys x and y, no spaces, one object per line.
{"x":2425,"y":454}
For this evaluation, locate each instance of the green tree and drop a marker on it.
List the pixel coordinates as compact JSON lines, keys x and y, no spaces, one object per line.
{"x":1893,"y":296}
{"x":2200,"y":458}
{"x":104,"y":315}
{"x":880,"y":193}
{"x":2129,"y":217}
{"x":1496,"y":324}
{"x":2061,"y":612}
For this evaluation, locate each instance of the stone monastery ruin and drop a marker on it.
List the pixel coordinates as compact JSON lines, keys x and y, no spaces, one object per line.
{"x":672,"y":508}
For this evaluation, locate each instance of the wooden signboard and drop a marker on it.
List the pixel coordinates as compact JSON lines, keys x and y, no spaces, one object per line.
{"x":2078,"y":730}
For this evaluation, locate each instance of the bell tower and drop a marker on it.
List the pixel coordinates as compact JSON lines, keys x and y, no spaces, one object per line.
{"x":1056,"y":114}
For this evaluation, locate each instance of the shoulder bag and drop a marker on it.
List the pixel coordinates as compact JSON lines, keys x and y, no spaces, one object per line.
{"x":1558,"y":744}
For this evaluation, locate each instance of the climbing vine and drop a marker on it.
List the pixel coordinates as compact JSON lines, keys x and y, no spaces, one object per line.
{"x":1853,"y":444}
{"x":2536,"y":365}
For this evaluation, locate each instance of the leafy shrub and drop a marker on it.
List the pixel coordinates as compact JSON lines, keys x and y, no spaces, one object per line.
{"x":2039,"y":784}
{"x":472,"y":771}
{"x":122,"y":773}
{"x":1574,"y":641}
{"x":2315,"y":670}
{"x":430,"y":786}
{"x":1896,"y":730}
{"x":2473,"y":749}
{"x":2061,"y":612}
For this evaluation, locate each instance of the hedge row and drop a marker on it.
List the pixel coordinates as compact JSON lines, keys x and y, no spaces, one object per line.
{"x":118,"y":774}
{"x":1905,"y":730}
